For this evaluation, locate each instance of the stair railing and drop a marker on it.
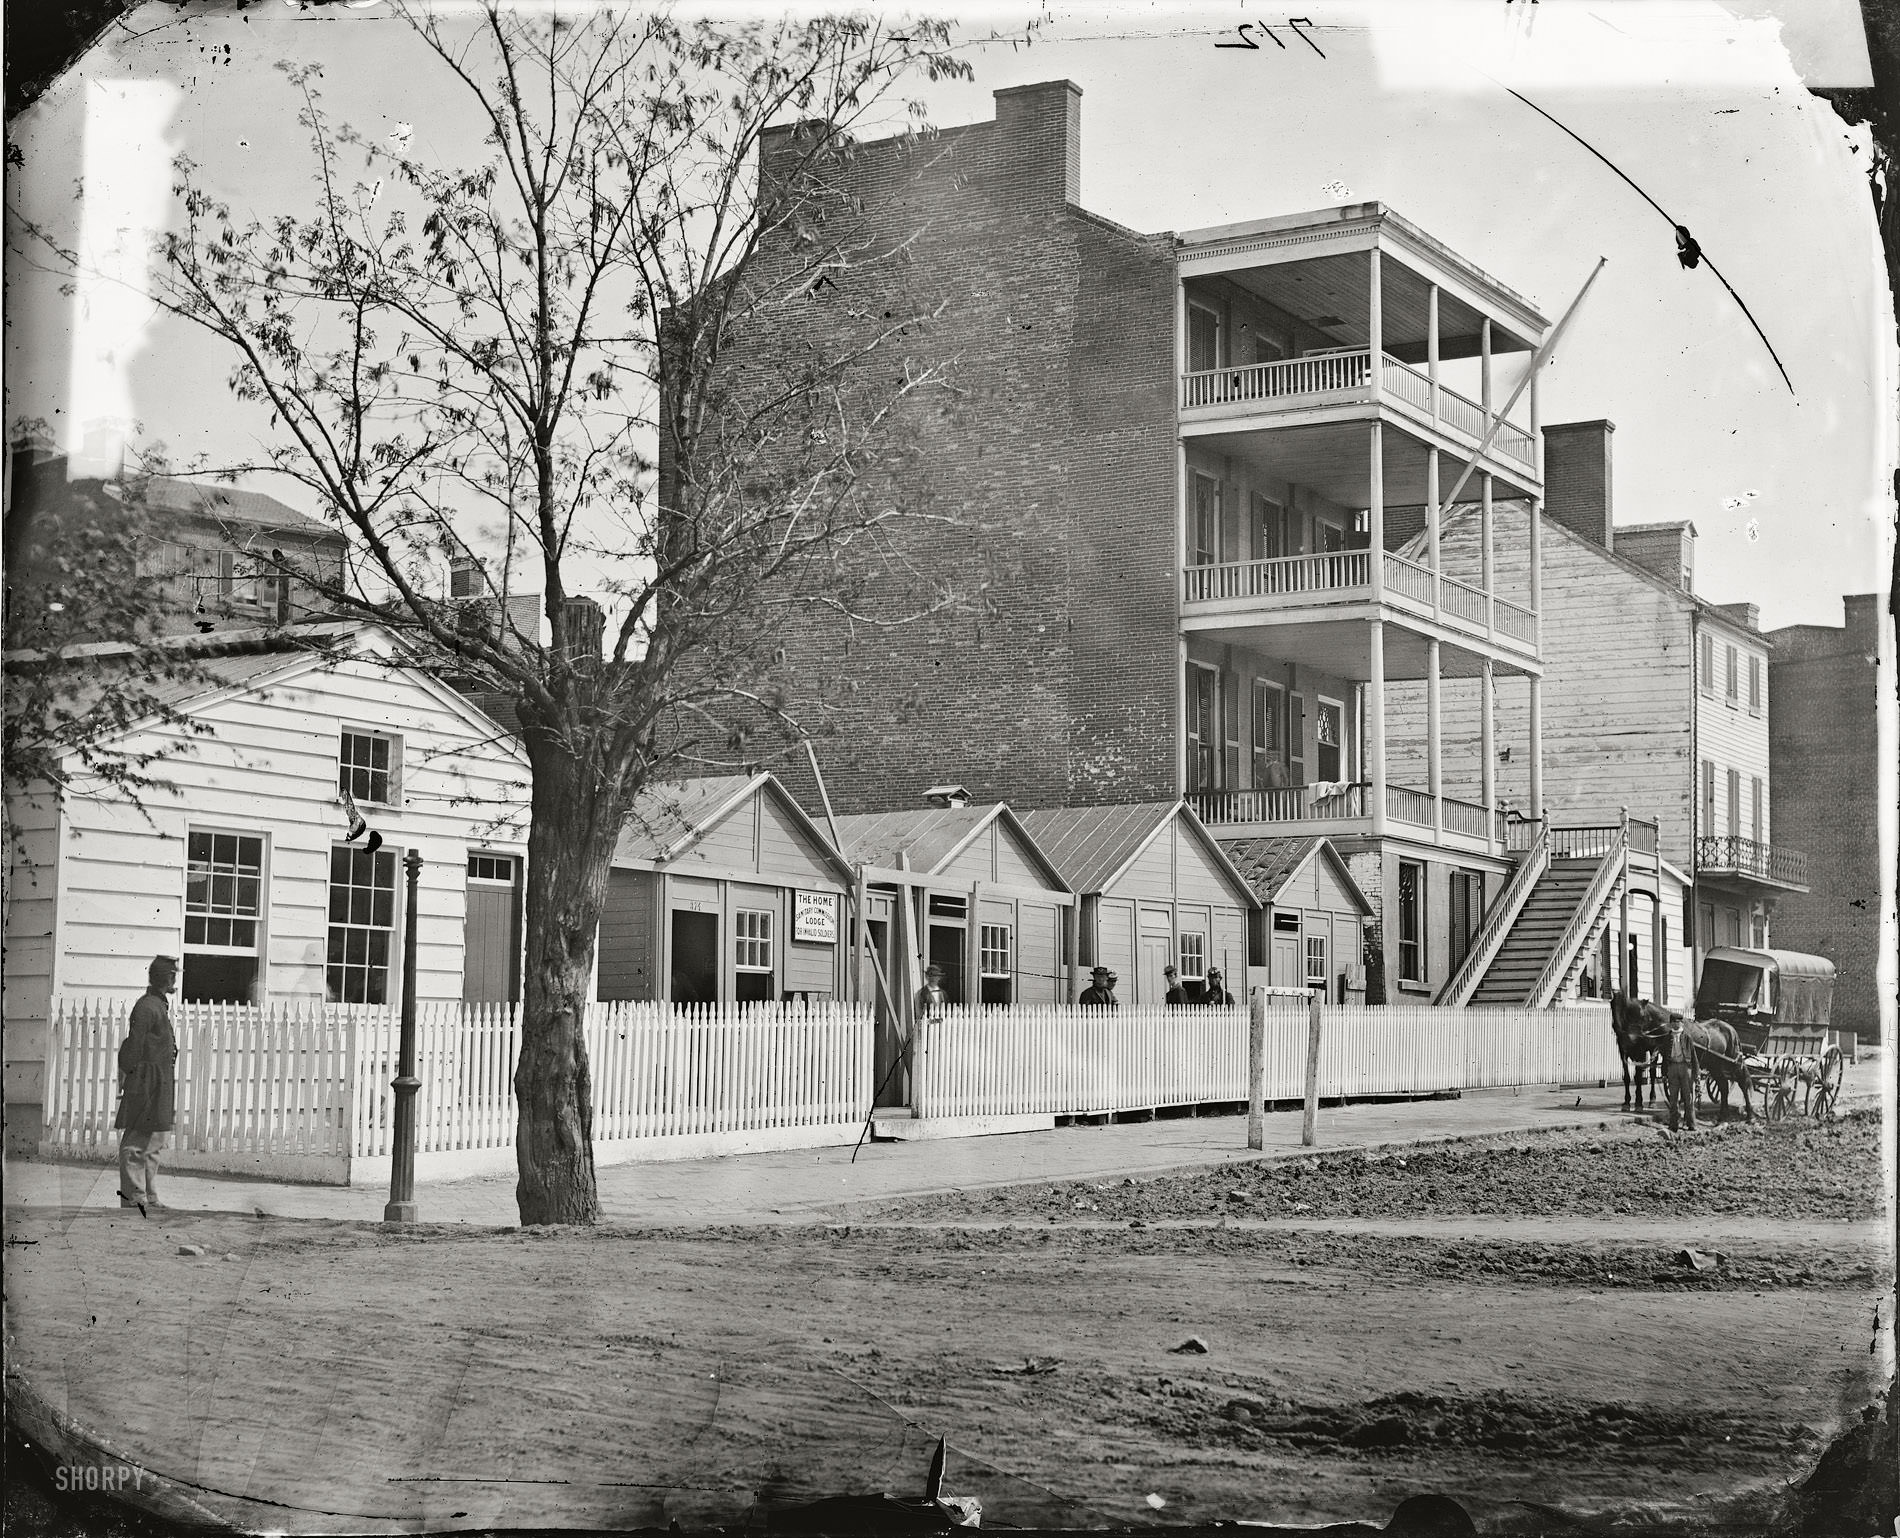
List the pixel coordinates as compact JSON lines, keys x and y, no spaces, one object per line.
{"x":1582,"y":923}
{"x":1502,"y":914}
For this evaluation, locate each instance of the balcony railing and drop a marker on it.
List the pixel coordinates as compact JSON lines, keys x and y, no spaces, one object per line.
{"x":1291,"y":803}
{"x":1408,"y":577}
{"x":1519,"y":623}
{"x":1277,"y":577}
{"x":1462,"y":599}
{"x":1746,"y":857}
{"x":1349,"y":370}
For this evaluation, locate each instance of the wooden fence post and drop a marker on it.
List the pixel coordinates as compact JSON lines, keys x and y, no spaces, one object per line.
{"x":1257,"y":1071}
{"x":1307,"y":1132}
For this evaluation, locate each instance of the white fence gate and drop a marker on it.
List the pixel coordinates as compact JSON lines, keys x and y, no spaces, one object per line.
{"x":1062,"y":1060}
{"x":302,"y":1091}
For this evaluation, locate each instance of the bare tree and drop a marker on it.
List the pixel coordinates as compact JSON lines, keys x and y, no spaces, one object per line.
{"x":468,"y":359}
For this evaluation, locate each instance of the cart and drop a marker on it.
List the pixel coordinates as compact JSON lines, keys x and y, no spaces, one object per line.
{"x":1779,"y":1003}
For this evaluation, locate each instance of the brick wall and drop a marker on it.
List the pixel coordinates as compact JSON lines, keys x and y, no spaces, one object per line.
{"x":1039,"y":488}
{"x":1577,"y":483}
{"x":1822,"y":749}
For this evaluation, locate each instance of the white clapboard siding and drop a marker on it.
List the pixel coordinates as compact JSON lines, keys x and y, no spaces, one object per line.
{"x":1065,"y":1060}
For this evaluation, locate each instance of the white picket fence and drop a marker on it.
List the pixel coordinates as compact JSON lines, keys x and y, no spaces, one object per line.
{"x":1062,"y":1060}
{"x":304,"y":1090}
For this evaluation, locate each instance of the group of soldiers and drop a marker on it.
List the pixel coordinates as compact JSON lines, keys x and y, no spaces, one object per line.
{"x":1100,"y":993}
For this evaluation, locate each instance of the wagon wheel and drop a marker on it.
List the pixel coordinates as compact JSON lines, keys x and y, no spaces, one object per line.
{"x":1827,"y":1084}
{"x":1778,"y":1097}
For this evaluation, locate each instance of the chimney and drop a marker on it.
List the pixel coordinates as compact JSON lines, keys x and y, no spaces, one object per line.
{"x":1041,"y":131}
{"x":1863,"y":621}
{"x":1747,"y":615}
{"x":1577,"y":479}
{"x":586,"y":628}
{"x":946,"y":796}
{"x":1665,"y":550}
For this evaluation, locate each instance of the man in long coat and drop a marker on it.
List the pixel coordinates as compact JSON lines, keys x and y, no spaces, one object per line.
{"x":148,"y":1059}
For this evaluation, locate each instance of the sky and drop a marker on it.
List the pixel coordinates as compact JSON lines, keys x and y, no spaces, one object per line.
{"x":1700,"y":106}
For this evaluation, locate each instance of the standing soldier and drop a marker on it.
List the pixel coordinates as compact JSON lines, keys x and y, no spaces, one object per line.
{"x":1099,"y":994}
{"x":1176,"y":995}
{"x":148,"y":1060}
{"x":1216,"y":991}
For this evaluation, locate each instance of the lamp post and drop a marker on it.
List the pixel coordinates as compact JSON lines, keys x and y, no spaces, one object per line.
{"x":401,"y":1206}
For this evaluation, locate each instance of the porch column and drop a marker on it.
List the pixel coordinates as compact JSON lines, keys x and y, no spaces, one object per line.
{"x":1375,"y":340}
{"x":1484,"y":554}
{"x":1484,"y":367}
{"x":1431,"y":522}
{"x":1375,"y":513}
{"x":1431,"y":343}
{"x":1433,"y":765}
{"x":1375,"y":722}
{"x":1488,"y":748}
{"x":1537,"y":745}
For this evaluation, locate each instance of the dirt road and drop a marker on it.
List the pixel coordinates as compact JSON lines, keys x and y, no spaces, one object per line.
{"x":330,"y":1377}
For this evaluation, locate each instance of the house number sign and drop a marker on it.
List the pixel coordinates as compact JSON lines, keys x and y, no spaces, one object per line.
{"x":815,"y":917}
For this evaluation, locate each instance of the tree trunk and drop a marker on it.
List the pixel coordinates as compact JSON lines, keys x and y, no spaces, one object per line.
{"x":570,"y":851}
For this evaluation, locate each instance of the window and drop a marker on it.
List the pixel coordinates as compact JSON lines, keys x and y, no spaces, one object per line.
{"x":1206,"y":533}
{"x":1730,"y":690}
{"x":1708,"y":798}
{"x":1754,"y":686}
{"x":1328,"y":731}
{"x":1193,"y":962}
{"x":362,"y":922}
{"x":994,"y":959}
{"x":492,"y":867}
{"x":1316,"y":962}
{"x":1269,"y":734}
{"x":1203,"y":340}
{"x":224,"y":887}
{"x":1203,"y":686}
{"x":367,"y":767}
{"x":1411,"y":922}
{"x":1759,"y":921}
{"x":1296,"y":740}
{"x":1734,"y":803}
{"x":163,"y":558}
{"x":752,"y":934}
{"x":1269,"y":529}
{"x":1756,"y":809}
{"x":1706,"y":672}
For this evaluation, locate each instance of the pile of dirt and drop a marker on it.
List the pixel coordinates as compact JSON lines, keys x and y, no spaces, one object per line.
{"x":1791,"y":1169}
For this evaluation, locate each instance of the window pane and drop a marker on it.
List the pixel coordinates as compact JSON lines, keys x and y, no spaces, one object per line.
{"x":383,"y":910}
{"x":198,"y":847}
{"x":224,"y":848}
{"x":247,"y":894}
{"x":251,"y":853}
{"x":243,"y":932}
{"x":194,"y":931}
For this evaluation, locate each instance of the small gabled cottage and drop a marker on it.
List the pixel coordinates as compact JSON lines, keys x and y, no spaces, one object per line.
{"x":1156,"y":891}
{"x":242,"y":862}
{"x":723,"y":891}
{"x":1312,"y":927}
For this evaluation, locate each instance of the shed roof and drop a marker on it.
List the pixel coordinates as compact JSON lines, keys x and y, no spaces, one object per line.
{"x":1268,"y":864}
{"x":1092,"y":845}
{"x":930,"y":836}
{"x":666,"y":820}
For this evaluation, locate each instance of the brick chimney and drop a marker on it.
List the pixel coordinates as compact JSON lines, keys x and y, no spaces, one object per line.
{"x":1041,"y":129}
{"x":1747,"y":615}
{"x":1863,"y":620}
{"x":586,"y":628}
{"x":1577,"y":479}
{"x":1666,"y":550}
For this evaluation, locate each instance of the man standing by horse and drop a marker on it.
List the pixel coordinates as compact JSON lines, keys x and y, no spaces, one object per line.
{"x":1679,"y":1073}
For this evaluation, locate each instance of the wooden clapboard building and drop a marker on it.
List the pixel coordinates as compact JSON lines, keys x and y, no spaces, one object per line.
{"x":723,"y":891}
{"x":1155,"y":891}
{"x":1313,"y":916}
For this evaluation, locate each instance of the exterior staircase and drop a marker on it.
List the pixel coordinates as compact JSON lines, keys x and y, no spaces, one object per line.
{"x":1542,"y":924}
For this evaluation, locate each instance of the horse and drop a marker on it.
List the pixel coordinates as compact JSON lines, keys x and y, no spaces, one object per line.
{"x":1717,"y":1051}
{"x":1640,"y":1028}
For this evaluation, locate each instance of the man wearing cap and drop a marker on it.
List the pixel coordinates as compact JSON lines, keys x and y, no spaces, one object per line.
{"x":148,"y":1059}
{"x":1176,"y":996}
{"x":1100,"y":993}
{"x":931,"y":998}
{"x":1215,"y":991}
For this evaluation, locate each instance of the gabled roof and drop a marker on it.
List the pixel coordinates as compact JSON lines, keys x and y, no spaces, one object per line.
{"x":1269,"y":864}
{"x":1093,"y":846}
{"x":667,"y":820}
{"x":232,"y":504}
{"x":930,"y":837}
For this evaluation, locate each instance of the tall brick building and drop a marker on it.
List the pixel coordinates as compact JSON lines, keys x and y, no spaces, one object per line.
{"x":1176,"y":471}
{"x":1824,"y":751}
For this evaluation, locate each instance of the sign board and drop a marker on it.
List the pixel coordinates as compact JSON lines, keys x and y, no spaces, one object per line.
{"x":815,"y":917}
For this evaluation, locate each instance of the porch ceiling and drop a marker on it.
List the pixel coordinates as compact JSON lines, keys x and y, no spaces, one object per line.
{"x":1334,"y":459}
{"x":1339,"y":647}
{"x":1340,"y":286}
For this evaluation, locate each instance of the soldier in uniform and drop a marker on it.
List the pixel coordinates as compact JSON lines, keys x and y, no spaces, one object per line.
{"x":1176,"y":995}
{"x":1216,"y":991}
{"x":1100,"y":993}
{"x":148,"y":1060}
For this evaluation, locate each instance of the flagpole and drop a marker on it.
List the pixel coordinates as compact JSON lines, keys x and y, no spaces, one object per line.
{"x":1538,"y":360}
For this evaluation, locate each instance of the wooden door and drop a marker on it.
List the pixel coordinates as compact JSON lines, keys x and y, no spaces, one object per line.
{"x":491,"y":933}
{"x":1155,"y":953}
